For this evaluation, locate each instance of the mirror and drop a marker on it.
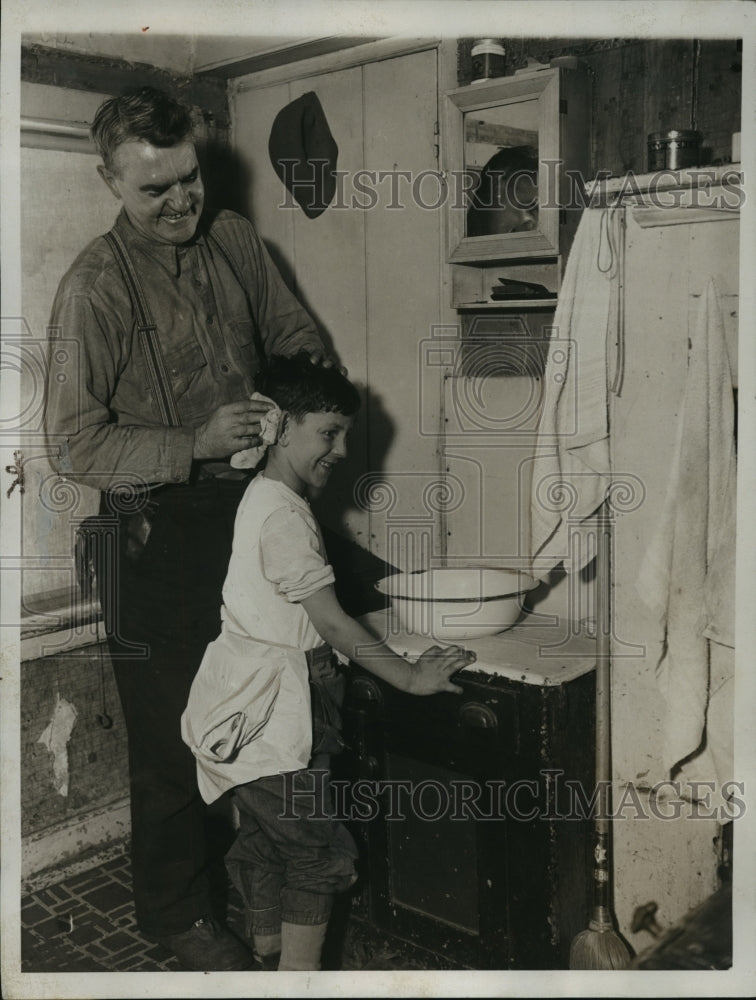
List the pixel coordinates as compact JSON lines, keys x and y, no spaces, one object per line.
{"x":502,"y":140}
{"x":501,"y":158}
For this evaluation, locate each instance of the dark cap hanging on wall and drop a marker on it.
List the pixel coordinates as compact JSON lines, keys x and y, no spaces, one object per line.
{"x":304,"y":153}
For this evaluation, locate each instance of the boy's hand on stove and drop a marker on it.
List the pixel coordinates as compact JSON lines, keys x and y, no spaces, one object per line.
{"x":432,"y":671}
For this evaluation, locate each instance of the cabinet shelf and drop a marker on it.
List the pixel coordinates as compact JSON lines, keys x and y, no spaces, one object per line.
{"x":472,"y":284}
{"x":512,"y":304}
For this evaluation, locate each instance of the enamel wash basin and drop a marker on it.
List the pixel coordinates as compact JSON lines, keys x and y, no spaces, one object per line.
{"x":457,"y":603}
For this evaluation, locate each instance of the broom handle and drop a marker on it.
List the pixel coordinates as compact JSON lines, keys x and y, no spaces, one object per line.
{"x":603,"y":653}
{"x":602,"y":861}
{"x":600,"y":946}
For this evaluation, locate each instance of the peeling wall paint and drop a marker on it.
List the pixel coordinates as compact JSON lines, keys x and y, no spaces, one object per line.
{"x":97,"y":757}
{"x":56,"y":738}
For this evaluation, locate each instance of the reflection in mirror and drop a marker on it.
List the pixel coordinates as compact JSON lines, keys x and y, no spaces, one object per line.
{"x":502,"y":150}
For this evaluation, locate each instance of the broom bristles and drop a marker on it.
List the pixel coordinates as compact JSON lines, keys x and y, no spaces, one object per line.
{"x":599,"y":949}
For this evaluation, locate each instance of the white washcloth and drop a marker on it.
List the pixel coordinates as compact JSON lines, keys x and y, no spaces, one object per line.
{"x":687,"y":577}
{"x":250,"y":458}
{"x":572,"y":467}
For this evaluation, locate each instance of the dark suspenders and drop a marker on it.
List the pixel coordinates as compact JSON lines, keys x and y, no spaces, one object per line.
{"x":148,"y":336}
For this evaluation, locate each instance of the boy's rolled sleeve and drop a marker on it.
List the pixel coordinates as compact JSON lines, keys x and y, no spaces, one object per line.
{"x":291,"y":555}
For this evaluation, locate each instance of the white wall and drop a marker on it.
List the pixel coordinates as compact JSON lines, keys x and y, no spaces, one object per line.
{"x":64,"y":204}
{"x":671,"y":862}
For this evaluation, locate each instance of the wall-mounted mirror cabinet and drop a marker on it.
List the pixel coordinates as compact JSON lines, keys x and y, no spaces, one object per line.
{"x":518,"y":148}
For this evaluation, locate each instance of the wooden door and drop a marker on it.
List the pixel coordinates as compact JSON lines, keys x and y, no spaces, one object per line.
{"x":368,"y":269}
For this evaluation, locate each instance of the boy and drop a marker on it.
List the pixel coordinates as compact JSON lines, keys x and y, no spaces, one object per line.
{"x":262,"y":713}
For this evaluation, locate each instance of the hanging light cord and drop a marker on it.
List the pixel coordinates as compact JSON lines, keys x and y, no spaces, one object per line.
{"x":610,"y":260}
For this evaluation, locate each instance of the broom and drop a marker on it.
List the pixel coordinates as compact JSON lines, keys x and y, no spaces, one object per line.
{"x":600,"y":947}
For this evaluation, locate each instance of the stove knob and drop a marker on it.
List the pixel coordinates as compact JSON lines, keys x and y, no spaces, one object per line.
{"x":365,"y":689}
{"x":477,"y":716}
{"x":369,"y":767}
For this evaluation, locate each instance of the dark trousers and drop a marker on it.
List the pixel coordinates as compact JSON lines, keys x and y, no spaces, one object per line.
{"x":171,"y":563}
{"x":291,"y":854}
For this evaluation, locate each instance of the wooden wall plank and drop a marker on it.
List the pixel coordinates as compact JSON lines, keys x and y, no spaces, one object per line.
{"x":403,"y":301}
{"x":642,"y":86}
{"x":322,"y":259}
{"x":253,"y":114}
{"x":330,"y":274}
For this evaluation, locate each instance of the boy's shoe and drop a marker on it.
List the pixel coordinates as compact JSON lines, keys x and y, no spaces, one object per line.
{"x":208,"y":946}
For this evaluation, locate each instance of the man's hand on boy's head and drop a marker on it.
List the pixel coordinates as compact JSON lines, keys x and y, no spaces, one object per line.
{"x":327,"y":361}
{"x":432,"y":671}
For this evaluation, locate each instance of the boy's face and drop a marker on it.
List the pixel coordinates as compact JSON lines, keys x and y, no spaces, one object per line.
{"x":311,"y":448}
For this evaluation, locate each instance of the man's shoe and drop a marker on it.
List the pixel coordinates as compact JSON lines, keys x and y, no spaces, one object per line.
{"x":208,"y":946}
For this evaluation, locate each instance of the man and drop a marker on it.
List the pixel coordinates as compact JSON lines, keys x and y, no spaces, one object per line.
{"x":173,"y":313}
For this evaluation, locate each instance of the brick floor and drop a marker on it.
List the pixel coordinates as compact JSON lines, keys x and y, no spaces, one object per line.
{"x":85,"y":923}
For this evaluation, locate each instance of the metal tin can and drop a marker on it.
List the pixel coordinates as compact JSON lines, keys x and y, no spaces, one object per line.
{"x":674,"y":149}
{"x":488,"y":59}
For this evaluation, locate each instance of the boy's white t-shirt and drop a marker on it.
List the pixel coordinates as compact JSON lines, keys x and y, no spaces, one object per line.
{"x":248,"y":713}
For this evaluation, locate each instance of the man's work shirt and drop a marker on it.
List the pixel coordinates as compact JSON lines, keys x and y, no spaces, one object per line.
{"x":101,"y":412}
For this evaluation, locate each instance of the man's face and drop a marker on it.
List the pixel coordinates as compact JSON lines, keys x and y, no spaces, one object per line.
{"x":161,"y":189}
